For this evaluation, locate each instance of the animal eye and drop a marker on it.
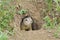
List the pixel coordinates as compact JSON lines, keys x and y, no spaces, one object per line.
{"x":26,"y":20}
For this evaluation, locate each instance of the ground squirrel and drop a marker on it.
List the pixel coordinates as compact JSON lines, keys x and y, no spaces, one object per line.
{"x":26,"y":23}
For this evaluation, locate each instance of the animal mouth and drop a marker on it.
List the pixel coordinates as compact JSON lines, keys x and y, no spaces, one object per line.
{"x":27,"y":29}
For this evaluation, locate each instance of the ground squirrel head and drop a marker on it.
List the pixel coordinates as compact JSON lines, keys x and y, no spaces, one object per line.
{"x":28,"y":20}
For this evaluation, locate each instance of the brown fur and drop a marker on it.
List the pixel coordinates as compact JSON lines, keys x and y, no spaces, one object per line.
{"x":32,"y":26}
{"x":25,"y":27}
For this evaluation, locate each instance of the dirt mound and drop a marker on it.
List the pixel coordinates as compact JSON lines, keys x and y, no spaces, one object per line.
{"x":33,"y":35}
{"x":35,"y":8}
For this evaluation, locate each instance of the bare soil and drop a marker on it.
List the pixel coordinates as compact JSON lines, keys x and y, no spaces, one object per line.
{"x":36,"y":8}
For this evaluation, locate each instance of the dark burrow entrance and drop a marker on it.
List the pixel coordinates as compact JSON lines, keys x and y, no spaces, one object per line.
{"x":28,"y":23}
